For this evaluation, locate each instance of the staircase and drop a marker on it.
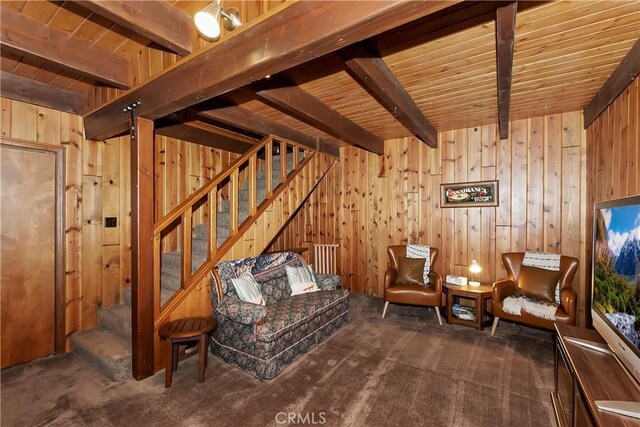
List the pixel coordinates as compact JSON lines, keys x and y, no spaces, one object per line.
{"x":108,"y":346}
{"x":171,"y":261}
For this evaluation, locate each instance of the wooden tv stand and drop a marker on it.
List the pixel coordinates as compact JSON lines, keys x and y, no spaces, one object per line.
{"x":583,"y":376}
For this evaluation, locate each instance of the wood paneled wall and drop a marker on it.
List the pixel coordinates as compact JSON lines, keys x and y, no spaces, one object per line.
{"x":612,"y":141}
{"x":395,"y":198}
{"x":317,"y":219}
{"x":613,"y":152}
{"x":150,"y":61}
{"x":98,"y":185}
{"x":93,"y":255}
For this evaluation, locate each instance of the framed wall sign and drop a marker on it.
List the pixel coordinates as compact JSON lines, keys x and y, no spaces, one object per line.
{"x":469,"y":194}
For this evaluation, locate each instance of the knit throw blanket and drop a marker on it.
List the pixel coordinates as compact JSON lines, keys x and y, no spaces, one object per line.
{"x":542,"y":309}
{"x":421,"y":251}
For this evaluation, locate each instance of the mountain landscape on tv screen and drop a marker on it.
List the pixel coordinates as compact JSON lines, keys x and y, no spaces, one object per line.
{"x":616,"y":292}
{"x":629,"y":258}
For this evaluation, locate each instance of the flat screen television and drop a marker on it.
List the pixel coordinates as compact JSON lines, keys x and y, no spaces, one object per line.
{"x":615,"y":303}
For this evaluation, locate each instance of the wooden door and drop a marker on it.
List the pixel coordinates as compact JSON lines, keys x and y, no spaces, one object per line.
{"x":27,"y":254}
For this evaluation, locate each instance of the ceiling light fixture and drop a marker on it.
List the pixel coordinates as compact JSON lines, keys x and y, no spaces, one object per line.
{"x":207,"y":20}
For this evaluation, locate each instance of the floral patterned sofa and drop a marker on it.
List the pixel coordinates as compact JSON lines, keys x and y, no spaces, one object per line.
{"x":263,"y":340}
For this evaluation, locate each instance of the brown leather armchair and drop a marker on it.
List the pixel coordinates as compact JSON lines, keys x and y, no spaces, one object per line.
{"x":409,"y":293}
{"x":566,"y":312}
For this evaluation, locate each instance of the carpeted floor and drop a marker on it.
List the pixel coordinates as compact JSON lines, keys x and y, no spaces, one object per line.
{"x":404,"y":370}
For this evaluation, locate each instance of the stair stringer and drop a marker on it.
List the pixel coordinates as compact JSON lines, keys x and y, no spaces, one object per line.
{"x":253,"y":237}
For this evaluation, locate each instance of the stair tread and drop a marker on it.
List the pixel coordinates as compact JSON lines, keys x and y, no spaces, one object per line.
{"x":119,"y":310}
{"x":110,"y":351}
{"x":116,"y":319}
{"x":105,"y":342}
{"x":109,"y":344}
{"x":195,"y":256}
{"x":165,"y":294}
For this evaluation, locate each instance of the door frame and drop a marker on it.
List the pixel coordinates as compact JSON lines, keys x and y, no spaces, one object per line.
{"x":59,"y":285}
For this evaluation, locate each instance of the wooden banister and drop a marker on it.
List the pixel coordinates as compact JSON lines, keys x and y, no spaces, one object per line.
{"x":213,"y":219}
{"x":216,"y":254}
{"x":283,"y":161}
{"x":188,"y":203}
{"x":233,"y":201}
{"x":252,"y":185}
{"x":268,"y":169}
{"x":245,"y":167}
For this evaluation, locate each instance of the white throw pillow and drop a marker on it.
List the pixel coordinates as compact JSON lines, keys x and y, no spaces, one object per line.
{"x":301,"y":280}
{"x":248,"y":289}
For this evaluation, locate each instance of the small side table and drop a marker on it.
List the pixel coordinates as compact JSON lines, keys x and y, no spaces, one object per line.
{"x":184,"y":330}
{"x":479,"y":294}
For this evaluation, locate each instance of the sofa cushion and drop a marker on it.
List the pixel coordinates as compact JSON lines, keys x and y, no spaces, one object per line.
{"x":275,"y":289}
{"x":287,"y":314}
{"x":301,"y":279}
{"x":247,"y":289}
{"x":272,"y":266}
{"x":240,"y":311}
{"x":328,"y":282}
{"x":264,"y":269}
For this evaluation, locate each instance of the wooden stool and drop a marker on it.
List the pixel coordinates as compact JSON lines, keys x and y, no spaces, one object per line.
{"x":182,"y":330}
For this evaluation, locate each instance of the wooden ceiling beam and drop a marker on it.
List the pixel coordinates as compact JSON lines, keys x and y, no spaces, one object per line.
{"x":292,"y":33}
{"x":374,"y":75}
{"x":241,"y":118}
{"x":156,"y":20}
{"x":505,"y":41}
{"x":291,"y":100}
{"x":38,"y":93}
{"x":35,"y":39}
{"x":203,"y":134}
{"x":625,"y":73}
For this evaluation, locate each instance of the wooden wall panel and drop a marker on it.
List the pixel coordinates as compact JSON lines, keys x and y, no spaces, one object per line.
{"x":91,"y":250}
{"x":401,"y":200}
{"x":46,"y":126}
{"x":149,"y":61}
{"x":97,"y":185}
{"x":611,"y":161}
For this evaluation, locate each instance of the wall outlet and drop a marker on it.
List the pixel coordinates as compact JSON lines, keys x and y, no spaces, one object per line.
{"x":110,"y":222}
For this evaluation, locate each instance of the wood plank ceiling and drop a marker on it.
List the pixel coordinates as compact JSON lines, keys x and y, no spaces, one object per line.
{"x":438,"y":72}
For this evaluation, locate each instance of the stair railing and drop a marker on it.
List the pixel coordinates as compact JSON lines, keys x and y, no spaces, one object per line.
{"x":184,"y":211}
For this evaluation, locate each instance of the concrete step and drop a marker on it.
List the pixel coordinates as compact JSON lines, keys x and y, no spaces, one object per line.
{"x":107,"y":350}
{"x":116,"y":319}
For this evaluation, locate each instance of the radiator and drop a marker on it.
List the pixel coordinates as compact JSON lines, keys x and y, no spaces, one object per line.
{"x":325,"y":258}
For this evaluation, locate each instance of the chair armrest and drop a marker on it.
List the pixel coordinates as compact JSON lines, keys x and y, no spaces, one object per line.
{"x":390,"y":277}
{"x":328,"y":282}
{"x":502,"y":289}
{"x":240,"y":311}
{"x":568,"y":300}
{"x":435,"y":281}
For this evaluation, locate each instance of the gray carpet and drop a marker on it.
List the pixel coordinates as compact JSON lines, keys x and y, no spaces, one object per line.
{"x":404,"y":370}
